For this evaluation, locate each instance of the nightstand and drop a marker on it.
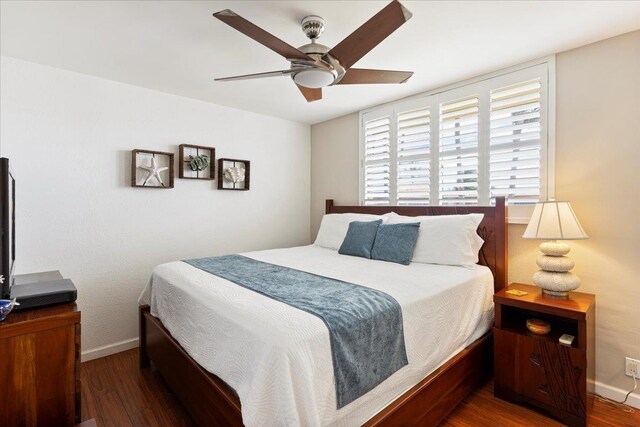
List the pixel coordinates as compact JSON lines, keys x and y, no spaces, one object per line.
{"x":537,"y":369}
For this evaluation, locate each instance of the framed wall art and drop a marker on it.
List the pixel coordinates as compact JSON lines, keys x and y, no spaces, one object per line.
{"x":151,"y":169}
{"x":234,"y":174}
{"x":196,"y":162}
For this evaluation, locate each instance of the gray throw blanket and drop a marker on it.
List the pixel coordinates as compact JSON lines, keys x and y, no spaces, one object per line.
{"x":365,"y":325}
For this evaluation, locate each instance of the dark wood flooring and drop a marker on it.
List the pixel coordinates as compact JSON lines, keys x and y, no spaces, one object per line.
{"x":116,"y":393}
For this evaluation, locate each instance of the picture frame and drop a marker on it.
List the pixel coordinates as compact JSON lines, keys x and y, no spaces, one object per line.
{"x":186,"y":154}
{"x":224,"y":183}
{"x":143,"y":164}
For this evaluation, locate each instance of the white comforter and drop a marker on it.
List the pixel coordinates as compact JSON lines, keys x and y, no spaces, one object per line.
{"x":278,"y":358}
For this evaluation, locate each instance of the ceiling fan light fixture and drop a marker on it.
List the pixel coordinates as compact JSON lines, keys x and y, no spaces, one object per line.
{"x":314,"y":78}
{"x":314,"y":65}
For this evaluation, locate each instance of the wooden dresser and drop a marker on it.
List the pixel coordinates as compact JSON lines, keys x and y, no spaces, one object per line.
{"x":40,"y":367}
{"x":537,"y":369}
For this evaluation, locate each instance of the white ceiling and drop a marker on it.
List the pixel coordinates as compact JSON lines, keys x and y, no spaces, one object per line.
{"x":178,"y":47}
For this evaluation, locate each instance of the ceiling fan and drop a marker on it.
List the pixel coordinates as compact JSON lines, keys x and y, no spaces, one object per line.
{"x":314,"y":66}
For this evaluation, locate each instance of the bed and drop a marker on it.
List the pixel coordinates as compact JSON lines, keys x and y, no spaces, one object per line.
{"x":445,"y":363}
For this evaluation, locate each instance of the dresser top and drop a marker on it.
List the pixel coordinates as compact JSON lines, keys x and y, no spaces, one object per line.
{"x":37,"y":319}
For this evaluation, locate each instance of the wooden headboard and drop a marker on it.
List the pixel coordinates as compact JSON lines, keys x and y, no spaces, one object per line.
{"x":492,"y":229}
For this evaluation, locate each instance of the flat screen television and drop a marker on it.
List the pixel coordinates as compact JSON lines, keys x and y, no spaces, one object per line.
{"x":8,"y":225}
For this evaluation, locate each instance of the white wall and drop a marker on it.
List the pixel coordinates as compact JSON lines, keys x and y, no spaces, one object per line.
{"x":597,"y":169}
{"x":69,"y":139}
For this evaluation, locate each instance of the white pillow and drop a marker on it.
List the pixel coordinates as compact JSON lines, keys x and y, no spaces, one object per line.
{"x":445,"y":239}
{"x":333,"y":228}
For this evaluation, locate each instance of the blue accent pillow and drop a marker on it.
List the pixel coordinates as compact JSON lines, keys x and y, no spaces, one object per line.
{"x":395,"y":242}
{"x":359,"y":239}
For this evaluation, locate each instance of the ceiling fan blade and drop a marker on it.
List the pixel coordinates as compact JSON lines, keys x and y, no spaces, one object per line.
{"x":370,"y":34}
{"x":358,"y":76}
{"x":258,"y":75}
{"x":249,"y":29}
{"x":310,"y":94}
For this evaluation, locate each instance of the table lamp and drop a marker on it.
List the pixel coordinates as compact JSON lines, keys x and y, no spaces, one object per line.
{"x":553,"y":220}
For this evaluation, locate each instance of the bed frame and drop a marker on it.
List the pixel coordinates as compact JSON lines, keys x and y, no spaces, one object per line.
{"x":213,"y":403}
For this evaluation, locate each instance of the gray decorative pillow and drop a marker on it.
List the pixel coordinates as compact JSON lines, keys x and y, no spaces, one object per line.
{"x":395,"y":242}
{"x":359,"y":239}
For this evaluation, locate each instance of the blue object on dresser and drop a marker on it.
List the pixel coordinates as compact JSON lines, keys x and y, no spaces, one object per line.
{"x":6,"y":305}
{"x":365,"y":325}
{"x":359,"y":239}
{"x":395,"y":242}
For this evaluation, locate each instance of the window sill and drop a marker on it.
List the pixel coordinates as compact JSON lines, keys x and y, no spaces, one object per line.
{"x":517,"y":220}
{"x":519,"y":214}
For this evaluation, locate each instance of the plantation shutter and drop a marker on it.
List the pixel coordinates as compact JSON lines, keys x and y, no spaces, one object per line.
{"x":413,"y":157}
{"x":515,"y":156}
{"x":464,"y":145}
{"x":377,"y":160}
{"x":458,"y":159}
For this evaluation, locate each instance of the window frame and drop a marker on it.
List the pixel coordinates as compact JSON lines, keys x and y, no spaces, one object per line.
{"x":517,"y":214}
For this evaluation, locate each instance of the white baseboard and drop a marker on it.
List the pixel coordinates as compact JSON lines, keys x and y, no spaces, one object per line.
{"x":106,"y":350}
{"x":618,"y":394}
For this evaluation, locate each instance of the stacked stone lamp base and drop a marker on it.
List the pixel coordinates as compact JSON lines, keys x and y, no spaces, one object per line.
{"x":554,"y":276}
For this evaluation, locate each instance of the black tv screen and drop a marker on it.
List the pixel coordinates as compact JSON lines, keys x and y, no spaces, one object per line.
{"x":8,"y":225}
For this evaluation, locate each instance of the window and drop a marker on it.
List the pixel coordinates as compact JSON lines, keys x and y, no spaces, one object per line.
{"x":514,"y":139}
{"x":413,"y":153}
{"x":377,"y":143}
{"x":464,"y":145}
{"x":458,"y":157}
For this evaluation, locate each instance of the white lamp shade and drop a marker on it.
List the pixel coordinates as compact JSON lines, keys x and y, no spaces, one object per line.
{"x":554,"y":220}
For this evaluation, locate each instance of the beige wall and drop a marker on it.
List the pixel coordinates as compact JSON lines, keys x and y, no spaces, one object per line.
{"x":334,"y":165}
{"x":597,"y":169}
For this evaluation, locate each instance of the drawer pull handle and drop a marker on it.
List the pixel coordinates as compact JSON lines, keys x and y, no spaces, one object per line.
{"x":535,"y":359}
{"x":544,"y":388}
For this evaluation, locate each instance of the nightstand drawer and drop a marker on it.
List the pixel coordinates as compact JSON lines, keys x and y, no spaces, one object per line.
{"x":541,"y":369}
